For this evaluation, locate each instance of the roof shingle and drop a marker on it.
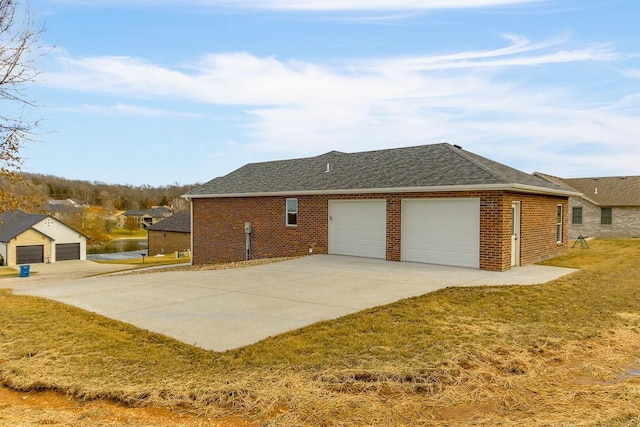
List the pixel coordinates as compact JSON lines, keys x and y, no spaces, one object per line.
{"x":13,"y":224}
{"x":179,"y":222}
{"x":435,"y":165}
{"x":621,"y":191}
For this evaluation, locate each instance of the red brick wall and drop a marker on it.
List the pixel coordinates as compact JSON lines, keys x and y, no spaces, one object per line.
{"x":538,"y":227}
{"x":218,"y":226}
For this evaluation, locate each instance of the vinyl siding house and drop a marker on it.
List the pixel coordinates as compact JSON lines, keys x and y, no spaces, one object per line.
{"x":37,"y":238}
{"x":435,"y":204}
{"x":607,"y":207}
{"x":64,"y":210}
{"x":144,"y":218}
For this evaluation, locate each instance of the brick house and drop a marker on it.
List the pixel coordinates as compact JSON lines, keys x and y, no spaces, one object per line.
{"x":435,"y":204}
{"x":608,"y":207}
{"x":170,"y":235}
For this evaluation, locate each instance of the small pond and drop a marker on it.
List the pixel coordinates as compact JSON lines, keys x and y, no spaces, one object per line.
{"x":118,"y":249}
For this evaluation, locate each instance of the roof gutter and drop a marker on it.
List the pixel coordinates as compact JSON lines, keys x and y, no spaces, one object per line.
{"x":518,"y":188}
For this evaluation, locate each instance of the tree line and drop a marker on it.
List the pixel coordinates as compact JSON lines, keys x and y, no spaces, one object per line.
{"x":96,"y":221}
{"x":110,"y":197}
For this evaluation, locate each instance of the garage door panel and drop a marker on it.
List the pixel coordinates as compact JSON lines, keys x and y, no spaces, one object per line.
{"x":441,"y":231}
{"x":358,"y":228}
{"x":32,"y":254}
{"x":67,"y":251}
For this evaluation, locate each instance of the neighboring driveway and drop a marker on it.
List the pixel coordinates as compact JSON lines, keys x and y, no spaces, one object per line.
{"x":225,"y":309}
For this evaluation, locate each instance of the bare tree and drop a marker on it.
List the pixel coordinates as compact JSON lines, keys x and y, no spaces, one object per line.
{"x":18,"y":38}
{"x":131,"y":223}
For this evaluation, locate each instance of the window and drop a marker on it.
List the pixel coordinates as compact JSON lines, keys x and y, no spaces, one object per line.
{"x":559,"y":224}
{"x":576,"y":216}
{"x":292,"y":211}
{"x":606,"y":216}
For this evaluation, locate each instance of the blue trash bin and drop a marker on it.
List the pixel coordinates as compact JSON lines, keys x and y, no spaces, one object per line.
{"x":24,"y":270}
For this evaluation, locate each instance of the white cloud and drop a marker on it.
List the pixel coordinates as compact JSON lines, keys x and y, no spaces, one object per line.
{"x":120,"y":109}
{"x":633,"y":73}
{"x":243,"y":79}
{"x":472,"y":98}
{"x":317,"y":5}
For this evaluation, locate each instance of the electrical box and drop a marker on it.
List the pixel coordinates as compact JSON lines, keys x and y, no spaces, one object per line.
{"x":247,"y":228}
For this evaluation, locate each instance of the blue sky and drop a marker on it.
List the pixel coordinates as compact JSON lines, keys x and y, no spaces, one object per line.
{"x":155,"y":92}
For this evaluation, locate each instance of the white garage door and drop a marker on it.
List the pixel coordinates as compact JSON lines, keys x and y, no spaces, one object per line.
{"x":441,"y":231}
{"x":358,"y":228}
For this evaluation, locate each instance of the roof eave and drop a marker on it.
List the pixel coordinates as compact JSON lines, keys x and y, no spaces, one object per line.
{"x":519,"y":188}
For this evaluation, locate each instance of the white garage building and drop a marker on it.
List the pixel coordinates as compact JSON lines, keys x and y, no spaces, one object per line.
{"x":35,"y":238}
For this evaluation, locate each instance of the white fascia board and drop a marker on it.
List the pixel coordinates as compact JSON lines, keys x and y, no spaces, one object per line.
{"x":520,"y":188}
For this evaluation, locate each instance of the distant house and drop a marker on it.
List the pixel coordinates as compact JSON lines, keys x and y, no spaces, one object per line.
{"x":37,"y":238}
{"x":608,"y":207}
{"x":171,"y":234}
{"x":63,"y":209}
{"x":145,"y":218}
{"x":435,"y":204}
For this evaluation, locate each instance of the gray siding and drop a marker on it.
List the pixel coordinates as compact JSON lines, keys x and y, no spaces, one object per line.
{"x":625,"y":221}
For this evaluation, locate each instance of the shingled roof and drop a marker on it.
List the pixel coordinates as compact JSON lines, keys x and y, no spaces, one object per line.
{"x":157,"y":212}
{"x":12,"y":224}
{"x":421,"y":168}
{"x":179,"y":222}
{"x":620,"y":191}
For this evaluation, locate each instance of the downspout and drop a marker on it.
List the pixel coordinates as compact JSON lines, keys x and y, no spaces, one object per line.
{"x":190,"y":200}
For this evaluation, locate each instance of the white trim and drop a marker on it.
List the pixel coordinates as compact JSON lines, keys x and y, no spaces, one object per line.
{"x":560,"y":225}
{"x":519,"y":188}
{"x":191,"y":234}
{"x":286,"y":212}
{"x":516,"y":226}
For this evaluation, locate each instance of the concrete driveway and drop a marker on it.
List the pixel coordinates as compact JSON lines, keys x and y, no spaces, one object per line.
{"x":225,"y":309}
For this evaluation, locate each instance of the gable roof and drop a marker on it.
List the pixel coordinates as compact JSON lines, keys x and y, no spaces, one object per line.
{"x":621,"y":191}
{"x":57,"y":208}
{"x":156,"y":212}
{"x":179,"y":222}
{"x":12,"y":224}
{"x":436,"y":167}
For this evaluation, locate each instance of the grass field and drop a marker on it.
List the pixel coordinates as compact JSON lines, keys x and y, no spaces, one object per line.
{"x":563,"y":353}
{"x":123,"y":233}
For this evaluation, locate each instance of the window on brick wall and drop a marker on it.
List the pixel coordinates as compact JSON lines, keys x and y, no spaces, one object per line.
{"x":606,"y":216}
{"x":559,"y":224}
{"x":576,"y":216}
{"x":292,"y":211}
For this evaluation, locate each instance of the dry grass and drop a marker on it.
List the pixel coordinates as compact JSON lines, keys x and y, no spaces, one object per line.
{"x":149,"y":261}
{"x":556,"y":354}
{"x":8,"y":271}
